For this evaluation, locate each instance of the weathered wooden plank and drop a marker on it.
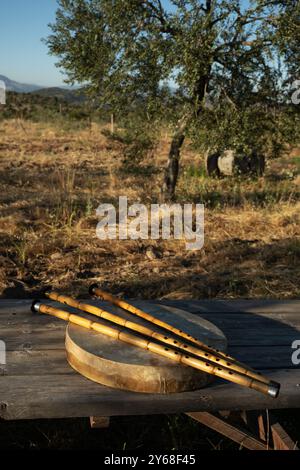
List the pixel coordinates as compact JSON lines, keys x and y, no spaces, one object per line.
{"x":24,"y":320}
{"x":58,"y":396}
{"x":281,"y":439}
{"x":264,"y":357}
{"x":241,"y":437}
{"x":264,"y":306}
{"x":41,"y":384}
{"x":20,"y":315}
{"x":41,"y":338}
{"x":226,"y":320}
{"x":255,"y":420}
{"x":252,"y":320}
{"x":290,"y":322}
{"x":266,"y":425}
{"x":47,"y":333}
{"x":54,"y":362}
{"x":257,"y":306}
{"x":33,"y":363}
{"x":261,"y":337}
{"x":15,"y":306}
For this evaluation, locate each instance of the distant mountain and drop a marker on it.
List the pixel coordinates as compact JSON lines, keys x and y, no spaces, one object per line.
{"x":17,"y":87}
{"x":71,"y":95}
{"x":64,"y":94}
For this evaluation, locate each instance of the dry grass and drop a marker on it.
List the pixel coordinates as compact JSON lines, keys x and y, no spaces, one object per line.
{"x":52,"y":180}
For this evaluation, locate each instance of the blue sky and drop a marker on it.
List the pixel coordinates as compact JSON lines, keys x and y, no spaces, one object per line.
{"x":23,"y":56}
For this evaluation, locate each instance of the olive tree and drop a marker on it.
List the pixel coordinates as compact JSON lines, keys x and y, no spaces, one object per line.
{"x":124,"y":50}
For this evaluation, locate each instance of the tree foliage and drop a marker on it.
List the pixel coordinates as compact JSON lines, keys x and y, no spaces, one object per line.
{"x":224,"y":57}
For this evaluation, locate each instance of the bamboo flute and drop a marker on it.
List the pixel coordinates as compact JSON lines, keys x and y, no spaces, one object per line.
{"x":159,"y":349}
{"x":222,"y":358}
{"x":207,"y":356}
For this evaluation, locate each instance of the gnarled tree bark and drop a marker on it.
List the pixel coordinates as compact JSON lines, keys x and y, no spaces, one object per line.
{"x":172,"y":169}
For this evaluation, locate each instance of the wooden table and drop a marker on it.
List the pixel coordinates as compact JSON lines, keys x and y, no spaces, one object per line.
{"x":37,"y":381}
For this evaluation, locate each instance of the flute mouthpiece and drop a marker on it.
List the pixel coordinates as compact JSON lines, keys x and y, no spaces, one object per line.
{"x":92,"y":288}
{"x":274,"y":389}
{"x":35,"y":307}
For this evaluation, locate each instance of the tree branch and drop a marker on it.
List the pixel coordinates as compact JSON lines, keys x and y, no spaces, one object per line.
{"x":159,"y":13}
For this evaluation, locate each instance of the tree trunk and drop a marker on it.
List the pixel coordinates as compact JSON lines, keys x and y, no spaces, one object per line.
{"x":172,"y":169}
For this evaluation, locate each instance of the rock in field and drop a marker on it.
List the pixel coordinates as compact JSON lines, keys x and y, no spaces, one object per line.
{"x":229,"y":163}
